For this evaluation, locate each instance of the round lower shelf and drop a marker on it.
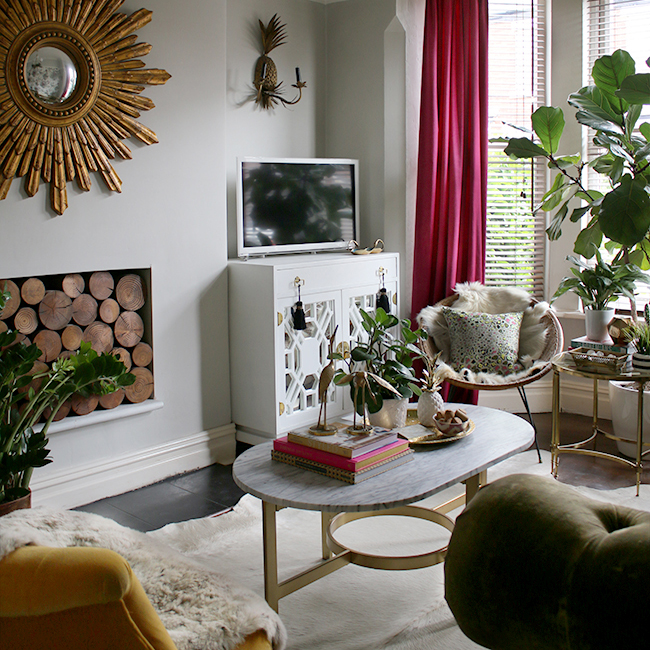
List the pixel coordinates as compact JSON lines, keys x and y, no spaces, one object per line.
{"x":393,"y":562}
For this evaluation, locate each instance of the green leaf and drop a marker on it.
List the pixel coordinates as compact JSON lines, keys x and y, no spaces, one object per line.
{"x":564,"y":162}
{"x":548,"y":124}
{"x":578,"y":213}
{"x":625,"y":212}
{"x":588,"y":241}
{"x":635,"y":89}
{"x":555,"y":228}
{"x":608,"y":165}
{"x":598,"y":123}
{"x":645,"y":130}
{"x":524,"y":148}
{"x":608,"y":74}
{"x":632,"y":116}
{"x":591,"y":100}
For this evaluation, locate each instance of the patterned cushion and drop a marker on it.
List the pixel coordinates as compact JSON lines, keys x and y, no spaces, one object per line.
{"x":484,"y":342}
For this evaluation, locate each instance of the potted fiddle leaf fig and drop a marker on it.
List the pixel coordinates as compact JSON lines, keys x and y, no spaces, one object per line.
{"x":29,"y":396}
{"x":380,"y":368}
{"x":619,"y":218}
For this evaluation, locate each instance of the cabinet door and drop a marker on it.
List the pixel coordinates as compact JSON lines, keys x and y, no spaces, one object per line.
{"x":301,"y":357}
{"x":354,"y":300}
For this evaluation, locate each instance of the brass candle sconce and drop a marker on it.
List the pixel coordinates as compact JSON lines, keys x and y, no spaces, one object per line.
{"x":269,"y":91}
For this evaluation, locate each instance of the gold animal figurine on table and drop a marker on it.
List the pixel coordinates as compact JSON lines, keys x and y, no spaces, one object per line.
{"x":326,"y":376}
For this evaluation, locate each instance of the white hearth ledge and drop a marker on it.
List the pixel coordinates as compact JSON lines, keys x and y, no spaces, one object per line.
{"x":97,"y":417}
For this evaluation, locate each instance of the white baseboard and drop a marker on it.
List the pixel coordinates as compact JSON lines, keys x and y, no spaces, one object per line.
{"x":576,"y":396}
{"x":85,"y":484}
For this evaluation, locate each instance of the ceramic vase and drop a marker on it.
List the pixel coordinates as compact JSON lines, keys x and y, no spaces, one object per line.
{"x":429,"y":403}
{"x":641,"y":362}
{"x":391,"y":415}
{"x":596,"y":322}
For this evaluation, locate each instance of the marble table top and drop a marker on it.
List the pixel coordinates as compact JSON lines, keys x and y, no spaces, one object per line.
{"x":498,"y":435}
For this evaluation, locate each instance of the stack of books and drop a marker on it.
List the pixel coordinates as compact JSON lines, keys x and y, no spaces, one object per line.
{"x":605,"y":346}
{"x":344,"y":456}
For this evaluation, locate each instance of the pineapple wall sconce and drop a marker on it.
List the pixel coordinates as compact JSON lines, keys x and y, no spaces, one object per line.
{"x":269,"y":91}
{"x":70,"y":84}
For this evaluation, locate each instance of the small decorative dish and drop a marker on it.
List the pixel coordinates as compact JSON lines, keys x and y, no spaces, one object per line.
{"x":436,"y":437}
{"x":599,"y":361}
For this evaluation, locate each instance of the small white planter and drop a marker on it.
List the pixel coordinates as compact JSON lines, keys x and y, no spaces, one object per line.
{"x":391,"y":415}
{"x":596,"y":322}
{"x":623,"y":397}
{"x":429,"y":404}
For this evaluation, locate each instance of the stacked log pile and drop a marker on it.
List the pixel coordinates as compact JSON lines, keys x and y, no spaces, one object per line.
{"x":104,"y":308}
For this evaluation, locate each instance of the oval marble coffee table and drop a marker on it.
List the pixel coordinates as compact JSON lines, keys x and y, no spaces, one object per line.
{"x":497,"y":436}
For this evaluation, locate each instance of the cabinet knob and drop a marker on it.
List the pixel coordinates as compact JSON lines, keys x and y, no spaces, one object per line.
{"x":280,"y":318}
{"x":343,"y":349}
{"x":281,"y":408}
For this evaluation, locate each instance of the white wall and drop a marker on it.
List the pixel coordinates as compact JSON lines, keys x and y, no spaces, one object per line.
{"x":170,"y":216}
{"x":296,"y":131}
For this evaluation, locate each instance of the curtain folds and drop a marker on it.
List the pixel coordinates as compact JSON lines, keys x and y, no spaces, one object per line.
{"x":452,"y":160}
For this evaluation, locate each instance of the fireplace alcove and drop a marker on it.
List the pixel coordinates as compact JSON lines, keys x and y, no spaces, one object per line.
{"x":111,"y":309}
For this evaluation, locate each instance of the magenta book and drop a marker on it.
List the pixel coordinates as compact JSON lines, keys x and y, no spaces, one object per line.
{"x":350,"y":464}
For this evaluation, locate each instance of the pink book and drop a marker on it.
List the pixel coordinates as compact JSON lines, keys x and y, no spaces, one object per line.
{"x":350,"y":464}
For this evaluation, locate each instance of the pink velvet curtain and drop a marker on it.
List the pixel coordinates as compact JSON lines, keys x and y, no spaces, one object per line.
{"x":452,"y":162}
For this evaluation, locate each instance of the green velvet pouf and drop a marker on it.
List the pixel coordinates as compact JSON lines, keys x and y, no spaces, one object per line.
{"x":534,"y":565}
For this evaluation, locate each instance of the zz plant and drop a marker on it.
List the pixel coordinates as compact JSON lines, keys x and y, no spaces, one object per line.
{"x":28,"y":397}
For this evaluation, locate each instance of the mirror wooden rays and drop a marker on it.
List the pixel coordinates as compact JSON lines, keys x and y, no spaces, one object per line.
{"x":71,"y":80}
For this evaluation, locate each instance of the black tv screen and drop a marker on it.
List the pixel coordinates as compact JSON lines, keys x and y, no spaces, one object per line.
{"x":296,"y":205}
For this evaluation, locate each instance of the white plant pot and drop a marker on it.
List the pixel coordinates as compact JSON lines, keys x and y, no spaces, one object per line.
{"x":596,"y":322}
{"x":623,"y":397}
{"x":429,"y":404}
{"x":391,"y":415}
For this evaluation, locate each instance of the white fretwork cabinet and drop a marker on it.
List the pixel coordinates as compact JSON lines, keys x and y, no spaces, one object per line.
{"x":274,"y":368}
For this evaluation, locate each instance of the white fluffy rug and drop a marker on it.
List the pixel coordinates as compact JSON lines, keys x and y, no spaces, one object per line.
{"x":352,"y":609}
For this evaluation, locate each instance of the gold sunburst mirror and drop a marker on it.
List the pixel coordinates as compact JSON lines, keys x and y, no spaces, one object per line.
{"x":70,"y":92}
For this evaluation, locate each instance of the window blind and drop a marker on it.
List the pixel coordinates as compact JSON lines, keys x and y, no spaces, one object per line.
{"x":515,"y":250}
{"x":612,"y":25}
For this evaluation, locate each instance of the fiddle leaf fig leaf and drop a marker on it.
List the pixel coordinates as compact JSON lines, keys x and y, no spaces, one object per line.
{"x":625,"y":212}
{"x":555,"y":229}
{"x":524,"y":148}
{"x":588,"y":240}
{"x":595,"y":122}
{"x":608,"y":74}
{"x":564,"y":162}
{"x":591,"y":100}
{"x":635,"y":89}
{"x":548,"y":124}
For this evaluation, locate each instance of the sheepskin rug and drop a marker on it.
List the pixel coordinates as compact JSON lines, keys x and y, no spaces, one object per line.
{"x":475,"y":297}
{"x":201,"y":609}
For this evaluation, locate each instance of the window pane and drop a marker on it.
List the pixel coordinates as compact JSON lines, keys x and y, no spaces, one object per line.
{"x":515,"y":237}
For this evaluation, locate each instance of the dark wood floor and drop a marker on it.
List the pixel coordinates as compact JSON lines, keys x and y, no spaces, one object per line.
{"x":212,"y":489}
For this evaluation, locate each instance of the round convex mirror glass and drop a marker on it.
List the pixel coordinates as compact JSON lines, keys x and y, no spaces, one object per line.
{"x":51,"y":75}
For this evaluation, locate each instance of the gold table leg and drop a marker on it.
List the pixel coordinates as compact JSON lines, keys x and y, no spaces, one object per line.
{"x":555,"y":426}
{"x":639,"y":436}
{"x":270,"y":543}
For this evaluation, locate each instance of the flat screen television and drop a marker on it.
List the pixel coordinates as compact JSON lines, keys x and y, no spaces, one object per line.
{"x":296,"y":205}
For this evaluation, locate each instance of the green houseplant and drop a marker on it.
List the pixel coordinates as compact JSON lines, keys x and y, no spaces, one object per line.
{"x":380,"y":367}
{"x":27,"y":397}
{"x":612,"y":108}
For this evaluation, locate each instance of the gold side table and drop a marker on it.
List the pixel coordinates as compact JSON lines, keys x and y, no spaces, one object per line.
{"x":564,"y":363}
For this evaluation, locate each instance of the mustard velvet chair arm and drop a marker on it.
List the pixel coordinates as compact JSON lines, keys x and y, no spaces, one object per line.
{"x":81,"y":597}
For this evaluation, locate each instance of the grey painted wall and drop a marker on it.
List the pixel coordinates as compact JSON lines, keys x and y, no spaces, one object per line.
{"x":177,"y":208}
